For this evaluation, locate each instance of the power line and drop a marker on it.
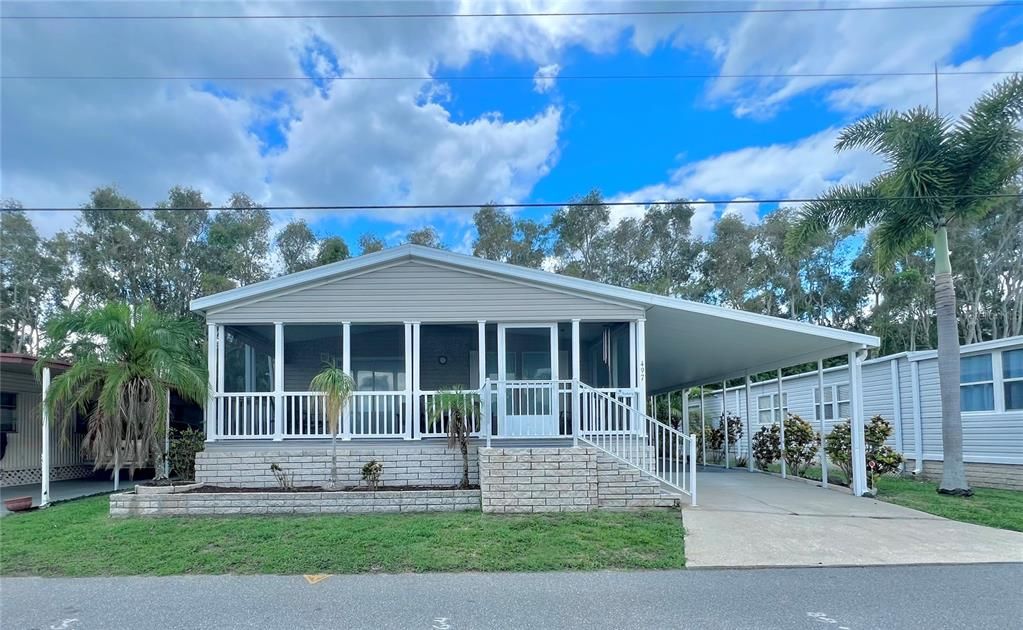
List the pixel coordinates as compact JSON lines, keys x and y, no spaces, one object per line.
{"x":562,"y":77}
{"x":558,"y":14}
{"x":528,"y":204}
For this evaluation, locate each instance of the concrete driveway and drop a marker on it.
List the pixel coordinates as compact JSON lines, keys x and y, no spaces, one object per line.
{"x":755,"y":520}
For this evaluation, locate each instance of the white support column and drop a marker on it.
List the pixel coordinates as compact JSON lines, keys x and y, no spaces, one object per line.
{"x":44,"y":492}
{"x":703,"y":429}
{"x":918,"y":433}
{"x":117,"y":468}
{"x":897,"y":408}
{"x":576,"y":367}
{"x":221,"y":343}
{"x":502,"y":374}
{"x":749,"y":427}
{"x":822,"y":416}
{"x":346,"y":367}
{"x":633,"y":363}
{"x":278,"y":381}
{"x":211,"y":382}
{"x":724,"y":417}
{"x":641,"y":362}
{"x":481,"y":368}
{"x":416,"y":389}
{"x":685,"y":409}
{"x":859,"y":463}
{"x":411,"y":393}
{"x":166,"y":438}
{"x":555,"y":377}
{"x":781,"y":423}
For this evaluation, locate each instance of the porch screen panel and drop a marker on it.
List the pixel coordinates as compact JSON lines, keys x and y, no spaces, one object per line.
{"x":307,"y":349}
{"x":606,"y":359}
{"x":248,"y":358}
{"x":449,"y":356}
{"x":378,"y":357}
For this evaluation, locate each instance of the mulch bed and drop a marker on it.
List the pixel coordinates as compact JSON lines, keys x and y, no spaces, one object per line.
{"x":225,"y":489}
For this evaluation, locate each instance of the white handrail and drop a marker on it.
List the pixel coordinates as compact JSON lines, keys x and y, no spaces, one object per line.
{"x":639,"y":440}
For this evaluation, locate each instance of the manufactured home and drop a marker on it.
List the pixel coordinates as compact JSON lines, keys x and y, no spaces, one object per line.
{"x":562,"y":367}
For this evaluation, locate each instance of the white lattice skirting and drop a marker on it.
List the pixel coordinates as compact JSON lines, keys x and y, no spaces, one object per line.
{"x":35,"y":475}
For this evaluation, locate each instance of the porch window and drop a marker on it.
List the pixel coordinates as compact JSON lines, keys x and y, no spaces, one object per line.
{"x":378,"y":357}
{"x":977,"y":385}
{"x":1012,"y":379}
{"x":605,"y":350}
{"x":448,"y":356}
{"x":8,"y":412}
{"x":307,"y":349}
{"x":248,"y":358}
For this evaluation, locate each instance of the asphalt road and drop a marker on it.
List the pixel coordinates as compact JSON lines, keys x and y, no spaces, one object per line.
{"x":970,"y":596}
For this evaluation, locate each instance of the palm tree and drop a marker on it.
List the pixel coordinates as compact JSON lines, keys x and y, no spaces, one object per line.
{"x":124,"y":361}
{"x":337,"y":386}
{"x":940,"y":173}
{"x":459,"y":409}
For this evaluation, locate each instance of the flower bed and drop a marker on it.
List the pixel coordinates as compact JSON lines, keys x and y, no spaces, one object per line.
{"x":233,"y":501}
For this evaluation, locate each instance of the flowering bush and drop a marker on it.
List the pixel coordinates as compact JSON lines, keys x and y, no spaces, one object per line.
{"x":801,"y":444}
{"x":767,"y":446}
{"x":881,"y":458}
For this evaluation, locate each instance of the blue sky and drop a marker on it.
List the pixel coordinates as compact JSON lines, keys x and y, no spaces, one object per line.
{"x":466,"y":141}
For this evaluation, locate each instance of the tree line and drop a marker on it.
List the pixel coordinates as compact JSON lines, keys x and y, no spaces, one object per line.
{"x":170,"y":256}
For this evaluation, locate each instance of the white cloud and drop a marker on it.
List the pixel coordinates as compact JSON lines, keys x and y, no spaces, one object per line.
{"x":544,"y":78}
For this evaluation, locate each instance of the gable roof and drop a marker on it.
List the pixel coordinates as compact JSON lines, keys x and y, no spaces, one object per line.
{"x":689,"y":324}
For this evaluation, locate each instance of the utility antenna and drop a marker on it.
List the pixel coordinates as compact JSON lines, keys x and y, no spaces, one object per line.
{"x":936,"y":110}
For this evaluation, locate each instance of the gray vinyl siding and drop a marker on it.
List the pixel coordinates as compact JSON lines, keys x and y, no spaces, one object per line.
{"x":421,"y":291}
{"x":990,"y":437}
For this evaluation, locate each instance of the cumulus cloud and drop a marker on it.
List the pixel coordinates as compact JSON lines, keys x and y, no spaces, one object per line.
{"x":543,"y":79}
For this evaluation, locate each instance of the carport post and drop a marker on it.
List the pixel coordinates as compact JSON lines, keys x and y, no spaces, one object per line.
{"x":166,"y":439}
{"x":724,"y":417}
{"x":820,"y":411}
{"x":781,"y":422}
{"x":859,"y":451}
{"x":692,"y":469}
{"x":703,"y":429}
{"x":749,"y":429}
{"x":44,"y":491}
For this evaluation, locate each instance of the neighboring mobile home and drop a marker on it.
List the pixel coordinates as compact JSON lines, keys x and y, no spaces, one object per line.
{"x":559,"y":363}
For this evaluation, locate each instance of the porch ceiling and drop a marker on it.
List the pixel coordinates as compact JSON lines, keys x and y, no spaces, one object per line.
{"x":688,"y":346}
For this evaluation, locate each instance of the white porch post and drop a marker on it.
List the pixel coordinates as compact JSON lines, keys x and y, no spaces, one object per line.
{"x":685,"y":410}
{"x":44,"y":492}
{"x":703,"y":429}
{"x":411,"y":394}
{"x":346,"y":366}
{"x":641,"y":362}
{"x":820,"y":411}
{"x":211,"y":382}
{"x":859,"y":463}
{"x":278,"y":381}
{"x":749,"y":427}
{"x":555,"y":377}
{"x":724,"y":417}
{"x":481,"y":368}
{"x":576,"y":367}
{"x":117,"y":467}
{"x":412,"y":330}
{"x":918,"y":433}
{"x":221,"y":343}
{"x":166,"y":439}
{"x":781,"y":423}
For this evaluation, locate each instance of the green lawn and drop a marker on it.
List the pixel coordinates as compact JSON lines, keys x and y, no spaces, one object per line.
{"x":987,"y":506}
{"x":77,"y":538}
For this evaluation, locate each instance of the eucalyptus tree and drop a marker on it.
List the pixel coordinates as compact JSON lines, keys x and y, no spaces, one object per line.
{"x":239,"y":244}
{"x":580,"y":236}
{"x":501,"y":237}
{"x":940,"y":173}
{"x":30,"y":286}
{"x":296,"y":245}
{"x":332,"y":249}
{"x":370,"y":243}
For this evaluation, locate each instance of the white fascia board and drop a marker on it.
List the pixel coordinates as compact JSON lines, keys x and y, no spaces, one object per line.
{"x":981,"y":346}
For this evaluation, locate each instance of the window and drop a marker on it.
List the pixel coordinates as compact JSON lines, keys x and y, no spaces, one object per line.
{"x":836,"y":402}
{"x":8,"y":412}
{"x":977,"y":386}
{"x":1012,"y":379}
{"x":767,"y":407}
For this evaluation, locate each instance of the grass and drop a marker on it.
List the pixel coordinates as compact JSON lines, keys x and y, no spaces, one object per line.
{"x":987,"y":506}
{"x":77,"y":538}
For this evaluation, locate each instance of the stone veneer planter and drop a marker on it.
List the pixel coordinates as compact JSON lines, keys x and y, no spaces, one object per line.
{"x":168,"y":489}
{"x":276,"y":503}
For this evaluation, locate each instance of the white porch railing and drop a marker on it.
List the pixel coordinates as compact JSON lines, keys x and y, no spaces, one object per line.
{"x":245,"y":415}
{"x":305,"y":415}
{"x":640,"y":441}
{"x":378,"y":414}
{"x":428,"y":401}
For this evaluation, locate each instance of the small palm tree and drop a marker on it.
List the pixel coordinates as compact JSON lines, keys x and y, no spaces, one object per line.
{"x":458,"y":408}
{"x":126,"y":360}
{"x":939,"y":174}
{"x":337,"y":386}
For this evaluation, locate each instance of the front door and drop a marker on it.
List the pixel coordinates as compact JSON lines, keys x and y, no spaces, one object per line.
{"x":527,"y":358}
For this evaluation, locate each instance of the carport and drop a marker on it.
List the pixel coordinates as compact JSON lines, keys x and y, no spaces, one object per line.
{"x":690,"y":344}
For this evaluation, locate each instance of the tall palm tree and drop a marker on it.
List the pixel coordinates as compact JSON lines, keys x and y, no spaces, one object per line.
{"x":940,"y":173}
{"x":459,"y":409}
{"x":124,"y":361}
{"x":337,"y":386}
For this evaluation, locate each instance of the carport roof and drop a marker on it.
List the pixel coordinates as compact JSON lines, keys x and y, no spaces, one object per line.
{"x":687,"y":343}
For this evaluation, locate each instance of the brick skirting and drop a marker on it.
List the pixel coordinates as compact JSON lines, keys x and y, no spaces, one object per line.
{"x":420,"y":465}
{"x":576,"y":479}
{"x":1005,"y":476}
{"x":277,"y":503}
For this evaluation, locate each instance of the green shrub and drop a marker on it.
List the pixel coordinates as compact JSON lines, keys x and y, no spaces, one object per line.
{"x":371,"y":472}
{"x":801,"y":443}
{"x":767,"y":446}
{"x":184,"y":444}
{"x":881,"y":458}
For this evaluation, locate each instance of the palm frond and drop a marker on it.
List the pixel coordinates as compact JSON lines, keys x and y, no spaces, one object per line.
{"x":841,"y":207}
